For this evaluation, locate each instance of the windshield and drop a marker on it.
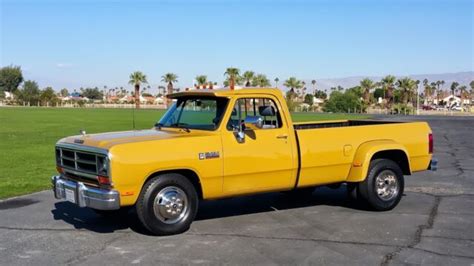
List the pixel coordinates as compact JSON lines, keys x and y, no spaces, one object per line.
{"x":195,"y":112}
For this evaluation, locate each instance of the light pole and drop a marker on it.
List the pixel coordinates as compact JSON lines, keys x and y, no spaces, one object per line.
{"x":418,"y":99}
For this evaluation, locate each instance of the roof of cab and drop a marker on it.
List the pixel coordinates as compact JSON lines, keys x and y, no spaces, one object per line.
{"x":225,"y":92}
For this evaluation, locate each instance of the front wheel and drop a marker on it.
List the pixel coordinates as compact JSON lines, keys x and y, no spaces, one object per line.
{"x":167,"y":204}
{"x":384,"y":184}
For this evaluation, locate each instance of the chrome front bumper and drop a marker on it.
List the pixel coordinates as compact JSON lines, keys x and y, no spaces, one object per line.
{"x":84,"y":196}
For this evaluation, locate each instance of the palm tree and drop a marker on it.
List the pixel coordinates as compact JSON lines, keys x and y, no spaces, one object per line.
{"x":293,"y":84}
{"x":406,"y":86}
{"x":367,"y":85}
{"x":303,"y":89}
{"x":261,"y":81}
{"x":136,"y":79}
{"x":248,"y":77}
{"x":232,"y":74}
{"x":169,"y":78}
{"x":463,"y":91}
{"x":388,"y":86}
{"x":277,"y":79}
{"x":314,"y":85}
{"x":454,"y":86}
{"x":201,"y":80}
{"x":428,"y":89}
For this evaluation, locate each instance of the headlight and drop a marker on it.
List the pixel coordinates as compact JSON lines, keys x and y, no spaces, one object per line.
{"x":103,"y":167}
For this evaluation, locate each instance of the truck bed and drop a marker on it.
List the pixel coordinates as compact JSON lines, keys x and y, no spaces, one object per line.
{"x":326,"y":149}
{"x":339,"y":123}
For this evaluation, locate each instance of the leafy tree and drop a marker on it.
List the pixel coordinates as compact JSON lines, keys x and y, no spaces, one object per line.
{"x":136,"y":79}
{"x":321,"y":94}
{"x":367,"y":85}
{"x":10,"y":78}
{"x":248,"y":77}
{"x":261,"y":81}
{"x":342,"y":102}
{"x":290,"y":100}
{"x":313,"y":82}
{"x":30,"y":92}
{"x":308,"y":99}
{"x":378,"y":93}
{"x":276,"y":82}
{"x":357,"y":90}
{"x":233,"y":76}
{"x":64,"y":92}
{"x":48,"y":95}
{"x":201,"y":80}
{"x":92,"y":93}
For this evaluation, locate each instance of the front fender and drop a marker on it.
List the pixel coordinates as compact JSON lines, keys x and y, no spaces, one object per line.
{"x":364,"y":154}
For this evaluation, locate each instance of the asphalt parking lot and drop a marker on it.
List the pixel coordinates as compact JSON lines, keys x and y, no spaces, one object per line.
{"x":433,"y":224}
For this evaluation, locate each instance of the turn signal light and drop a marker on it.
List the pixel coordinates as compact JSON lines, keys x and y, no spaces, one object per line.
{"x":103,"y":180}
{"x":59,"y":169}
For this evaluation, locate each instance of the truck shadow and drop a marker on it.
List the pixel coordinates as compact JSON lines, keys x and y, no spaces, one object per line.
{"x":277,"y":201}
{"x":84,"y":218}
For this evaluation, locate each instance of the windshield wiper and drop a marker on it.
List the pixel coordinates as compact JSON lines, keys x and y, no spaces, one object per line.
{"x":158,"y":126}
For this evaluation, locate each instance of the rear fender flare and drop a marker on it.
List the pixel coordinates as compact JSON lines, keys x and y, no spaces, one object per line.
{"x":364,"y":154}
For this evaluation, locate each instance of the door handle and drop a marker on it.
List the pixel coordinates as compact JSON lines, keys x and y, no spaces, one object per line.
{"x":283,"y":136}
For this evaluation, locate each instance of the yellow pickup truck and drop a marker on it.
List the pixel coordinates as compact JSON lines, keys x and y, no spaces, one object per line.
{"x":212,"y":144}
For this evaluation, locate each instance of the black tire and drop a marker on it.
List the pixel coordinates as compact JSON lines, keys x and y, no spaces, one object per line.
{"x":150,"y":215}
{"x":389,"y":172}
{"x":113,"y":213}
{"x":353,"y":191}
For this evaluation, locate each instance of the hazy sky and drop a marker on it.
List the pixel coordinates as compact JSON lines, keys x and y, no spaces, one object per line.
{"x":97,"y":43}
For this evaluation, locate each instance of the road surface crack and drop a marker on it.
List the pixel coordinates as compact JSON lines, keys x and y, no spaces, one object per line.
{"x":418,"y":234}
{"x":84,"y":255}
{"x":294,"y":239}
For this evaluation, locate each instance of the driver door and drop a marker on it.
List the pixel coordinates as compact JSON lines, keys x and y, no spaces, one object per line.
{"x":263,"y":161}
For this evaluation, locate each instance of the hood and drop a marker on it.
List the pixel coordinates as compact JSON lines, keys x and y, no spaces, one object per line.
{"x":107,"y":140}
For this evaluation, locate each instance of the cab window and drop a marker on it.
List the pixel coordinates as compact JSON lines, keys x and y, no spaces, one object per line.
{"x":263,"y":107}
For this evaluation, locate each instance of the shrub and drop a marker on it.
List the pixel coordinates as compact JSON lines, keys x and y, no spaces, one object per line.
{"x":342,"y":102}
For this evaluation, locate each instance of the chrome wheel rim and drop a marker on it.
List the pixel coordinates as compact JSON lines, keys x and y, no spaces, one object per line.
{"x":386,"y":185}
{"x":171,"y":205}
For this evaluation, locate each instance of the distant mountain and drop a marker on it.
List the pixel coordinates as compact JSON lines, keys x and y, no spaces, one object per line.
{"x":463,"y":78}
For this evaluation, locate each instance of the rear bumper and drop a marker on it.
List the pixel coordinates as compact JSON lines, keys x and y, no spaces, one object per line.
{"x":84,"y":196}
{"x":433,"y":164}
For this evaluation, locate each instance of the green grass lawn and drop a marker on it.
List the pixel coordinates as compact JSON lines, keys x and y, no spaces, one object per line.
{"x":28,"y":135}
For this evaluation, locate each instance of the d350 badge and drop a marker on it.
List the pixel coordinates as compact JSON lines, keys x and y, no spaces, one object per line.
{"x":208,"y":155}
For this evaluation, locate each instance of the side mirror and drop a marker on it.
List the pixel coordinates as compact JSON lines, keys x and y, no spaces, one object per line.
{"x":250,"y":123}
{"x":253,"y":122}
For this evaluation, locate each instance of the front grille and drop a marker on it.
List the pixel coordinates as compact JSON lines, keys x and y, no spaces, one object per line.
{"x":82,"y":163}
